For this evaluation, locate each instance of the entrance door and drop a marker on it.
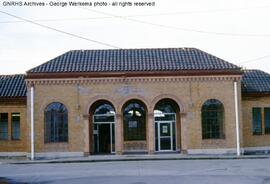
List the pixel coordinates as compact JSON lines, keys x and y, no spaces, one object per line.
{"x":104,"y":138}
{"x":165,"y":139}
{"x":165,"y":125}
{"x":104,"y":128}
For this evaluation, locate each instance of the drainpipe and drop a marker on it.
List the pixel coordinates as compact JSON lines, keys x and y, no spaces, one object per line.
{"x":236,"y":119}
{"x":32,"y":125}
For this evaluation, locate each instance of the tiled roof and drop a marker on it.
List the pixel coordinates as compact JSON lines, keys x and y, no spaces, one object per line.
{"x":255,"y":81}
{"x":12,"y":86}
{"x":128,"y":60}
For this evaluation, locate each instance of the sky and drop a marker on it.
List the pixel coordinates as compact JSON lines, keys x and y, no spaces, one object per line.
{"x":237,"y":31}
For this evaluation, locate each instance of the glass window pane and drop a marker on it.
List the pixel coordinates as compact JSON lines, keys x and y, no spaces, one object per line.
{"x":164,"y":117}
{"x":3,"y":126}
{"x":257,"y":121}
{"x":113,"y":137}
{"x":134,"y":121}
{"x":15,"y":121}
{"x":267,"y":120}
{"x":212,"y":120}
{"x":174,"y":136}
{"x":156,"y":136}
{"x":165,"y":106}
{"x":56,"y":123}
{"x":105,"y":118}
{"x":105,"y":108}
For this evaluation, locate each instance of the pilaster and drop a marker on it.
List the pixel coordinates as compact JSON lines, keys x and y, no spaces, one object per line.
{"x":119,"y":134}
{"x":151,"y":133}
{"x":184,"y":133}
{"x":86,"y":133}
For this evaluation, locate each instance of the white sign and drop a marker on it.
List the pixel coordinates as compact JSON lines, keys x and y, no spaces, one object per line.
{"x":132,"y":124}
{"x":95,"y":132}
{"x":164,"y":129}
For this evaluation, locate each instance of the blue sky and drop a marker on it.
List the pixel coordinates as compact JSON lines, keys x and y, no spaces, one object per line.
{"x":235,"y":30}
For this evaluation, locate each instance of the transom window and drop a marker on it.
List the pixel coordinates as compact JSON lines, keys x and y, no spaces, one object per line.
{"x":56,"y":123}
{"x":134,"y":121}
{"x":164,"y":111}
{"x":104,"y":113}
{"x":212,"y":120}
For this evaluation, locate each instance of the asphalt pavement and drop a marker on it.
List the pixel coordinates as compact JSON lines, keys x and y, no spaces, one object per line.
{"x":232,"y":171}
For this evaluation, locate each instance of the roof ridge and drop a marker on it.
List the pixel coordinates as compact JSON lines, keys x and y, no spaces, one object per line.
{"x":150,"y":48}
{"x":17,"y":74}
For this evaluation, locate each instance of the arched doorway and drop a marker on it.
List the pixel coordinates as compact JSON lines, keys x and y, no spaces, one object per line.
{"x":165,"y":117}
{"x":134,"y":126}
{"x":103,"y":119}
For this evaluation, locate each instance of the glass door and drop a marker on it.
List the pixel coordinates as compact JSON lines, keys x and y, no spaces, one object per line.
{"x":165,"y":136}
{"x":104,"y":137}
{"x":104,"y":133}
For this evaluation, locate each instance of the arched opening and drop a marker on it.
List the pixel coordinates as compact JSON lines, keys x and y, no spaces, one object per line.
{"x":166,"y":114}
{"x":134,"y":125}
{"x":103,"y":127}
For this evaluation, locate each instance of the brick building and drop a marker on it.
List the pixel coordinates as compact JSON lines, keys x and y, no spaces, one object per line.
{"x":134,"y":101}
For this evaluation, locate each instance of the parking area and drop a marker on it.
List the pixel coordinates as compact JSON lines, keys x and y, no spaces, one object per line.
{"x":248,"y":171}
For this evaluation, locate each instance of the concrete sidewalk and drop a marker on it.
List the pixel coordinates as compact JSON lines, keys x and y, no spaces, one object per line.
{"x":139,"y":157}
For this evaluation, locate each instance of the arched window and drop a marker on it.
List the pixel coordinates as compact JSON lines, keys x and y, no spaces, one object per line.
{"x":212,"y":120}
{"x":56,"y":123}
{"x":105,"y":108}
{"x":165,"y":109}
{"x":104,"y":113}
{"x":134,"y":121}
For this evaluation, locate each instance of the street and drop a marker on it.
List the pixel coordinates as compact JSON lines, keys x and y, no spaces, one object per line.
{"x":248,"y":171}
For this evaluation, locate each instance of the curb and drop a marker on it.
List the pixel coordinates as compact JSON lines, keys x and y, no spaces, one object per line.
{"x":133,"y":159}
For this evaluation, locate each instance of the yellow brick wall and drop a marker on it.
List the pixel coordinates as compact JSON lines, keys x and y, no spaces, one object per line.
{"x":251,"y":140}
{"x":14,"y":145}
{"x":78,"y":98}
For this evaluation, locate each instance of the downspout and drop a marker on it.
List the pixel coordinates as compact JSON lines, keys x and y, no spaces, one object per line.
{"x":32,"y":125}
{"x":236,"y":119}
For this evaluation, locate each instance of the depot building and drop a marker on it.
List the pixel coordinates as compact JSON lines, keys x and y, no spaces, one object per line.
{"x":148,"y":101}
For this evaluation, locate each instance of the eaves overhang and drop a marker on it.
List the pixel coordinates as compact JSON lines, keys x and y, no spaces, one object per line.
{"x":132,"y":74}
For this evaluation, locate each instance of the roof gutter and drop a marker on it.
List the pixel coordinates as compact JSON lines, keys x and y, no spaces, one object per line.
{"x":256,"y":94}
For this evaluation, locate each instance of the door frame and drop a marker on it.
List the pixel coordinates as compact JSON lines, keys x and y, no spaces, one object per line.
{"x":111,"y":131}
{"x":171,"y":122}
{"x":160,"y":137}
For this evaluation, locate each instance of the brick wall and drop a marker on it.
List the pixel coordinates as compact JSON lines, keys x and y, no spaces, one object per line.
{"x":251,"y":140}
{"x":189,"y":94}
{"x":15,"y":145}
